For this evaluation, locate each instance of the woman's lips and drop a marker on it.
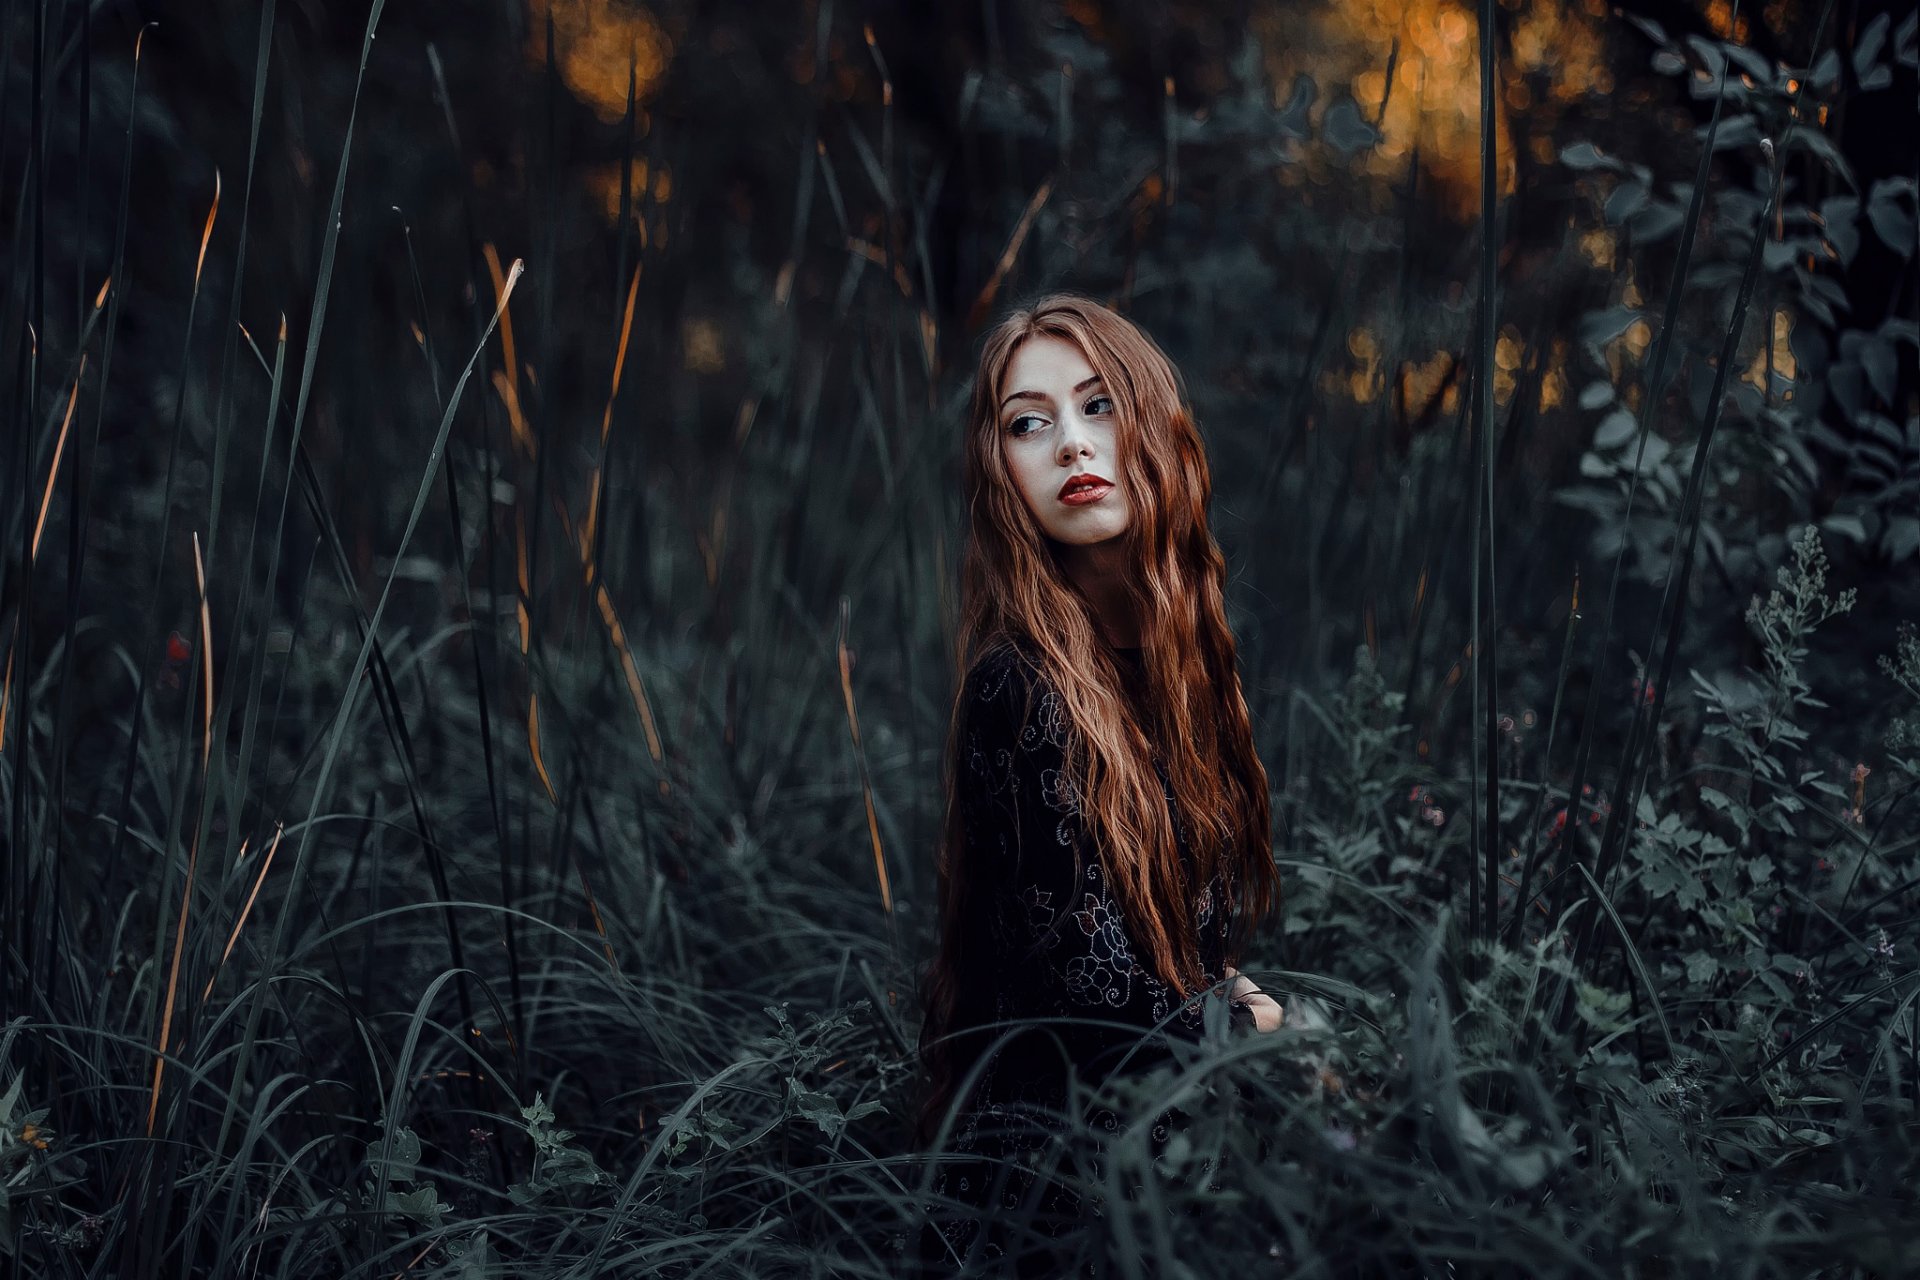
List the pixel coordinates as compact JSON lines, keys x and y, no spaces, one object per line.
{"x":1082,"y":495}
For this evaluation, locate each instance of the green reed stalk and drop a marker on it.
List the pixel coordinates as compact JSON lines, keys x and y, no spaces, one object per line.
{"x":1637,"y":758}
{"x":1524,"y":894}
{"x":315,"y":327}
{"x":1486,"y":687}
{"x":1650,"y":398}
{"x":483,"y":645}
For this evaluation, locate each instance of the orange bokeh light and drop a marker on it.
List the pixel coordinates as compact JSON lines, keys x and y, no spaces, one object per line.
{"x":596,"y":42}
{"x":1435,"y":101}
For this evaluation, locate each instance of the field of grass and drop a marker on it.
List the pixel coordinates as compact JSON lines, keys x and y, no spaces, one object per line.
{"x":480,"y":510}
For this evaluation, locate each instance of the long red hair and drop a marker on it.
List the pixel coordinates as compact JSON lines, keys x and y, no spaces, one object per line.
{"x":1193,"y":711}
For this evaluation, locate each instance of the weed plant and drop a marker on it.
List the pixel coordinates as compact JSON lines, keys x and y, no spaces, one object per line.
{"x":477,"y":612}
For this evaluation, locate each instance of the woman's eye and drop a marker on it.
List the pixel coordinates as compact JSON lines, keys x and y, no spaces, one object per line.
{"x":1107,"y":401}
{"x":1013,"y":428}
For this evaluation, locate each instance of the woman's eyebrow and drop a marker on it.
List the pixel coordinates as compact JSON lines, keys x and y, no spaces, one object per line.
{"x":1042,"y":396}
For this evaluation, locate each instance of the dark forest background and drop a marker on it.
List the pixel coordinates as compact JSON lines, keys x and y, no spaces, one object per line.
{"x":479,"y":517}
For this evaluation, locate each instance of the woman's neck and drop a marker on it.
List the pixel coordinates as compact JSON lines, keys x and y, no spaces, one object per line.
{"x":1100,"y":572}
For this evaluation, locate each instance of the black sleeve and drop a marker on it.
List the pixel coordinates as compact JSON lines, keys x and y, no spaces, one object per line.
{"x":1072,"y":947}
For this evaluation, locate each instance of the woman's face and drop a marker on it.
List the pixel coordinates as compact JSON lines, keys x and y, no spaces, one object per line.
{"x":1058,"y":431}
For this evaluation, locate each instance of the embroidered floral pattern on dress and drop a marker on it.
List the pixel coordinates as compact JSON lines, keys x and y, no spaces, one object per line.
{"x":1042,"y":920}
{"x":1103,"y":972}
{"x":1048,"y":725}
{"x":1061,"y":795}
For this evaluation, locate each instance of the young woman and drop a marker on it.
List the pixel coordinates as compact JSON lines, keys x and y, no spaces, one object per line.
{"x":1107,"y":810}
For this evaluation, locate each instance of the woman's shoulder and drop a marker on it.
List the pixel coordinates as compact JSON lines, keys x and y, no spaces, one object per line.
{"x":1005,"y":684}
{"x":1004,"y":665}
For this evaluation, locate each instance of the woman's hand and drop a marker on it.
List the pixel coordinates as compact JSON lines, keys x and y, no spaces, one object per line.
{"x":1267,"y":1013}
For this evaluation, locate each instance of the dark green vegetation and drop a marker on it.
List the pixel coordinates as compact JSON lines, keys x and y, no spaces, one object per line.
{"x":471,"y":734}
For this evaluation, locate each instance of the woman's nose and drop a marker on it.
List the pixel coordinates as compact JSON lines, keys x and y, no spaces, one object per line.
{"x":1074,"y":440}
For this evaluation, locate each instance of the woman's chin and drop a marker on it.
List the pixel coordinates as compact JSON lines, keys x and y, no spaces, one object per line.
{"x":1089,"y":534}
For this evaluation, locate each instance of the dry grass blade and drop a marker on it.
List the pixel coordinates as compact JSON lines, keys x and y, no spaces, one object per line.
{"x":866,"y":783}
{"x":593,"y":909}
{"x":507,"y":381}
{"x":206,"y":235}
{"x":39,"y":527}
{"x":206,"y":654}
{"x":631,"y":671}
{"x":596,"y":482}
{"x":59,"y":449}
{"x":620,"y":354}
{"x":521,"y":614}
{"x":984,"y":303}
{"x":279,"y":829}
{"x":173,"y":983}
{"x":533,"y":746}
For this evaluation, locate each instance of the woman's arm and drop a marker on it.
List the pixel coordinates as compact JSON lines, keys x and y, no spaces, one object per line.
{"x":1026,"y":827}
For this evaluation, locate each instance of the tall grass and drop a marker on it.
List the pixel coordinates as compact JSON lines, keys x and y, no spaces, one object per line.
{"x":471,"y":761}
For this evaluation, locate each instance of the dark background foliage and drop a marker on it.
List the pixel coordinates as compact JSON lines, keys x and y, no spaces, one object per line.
{"x":585,"y":773}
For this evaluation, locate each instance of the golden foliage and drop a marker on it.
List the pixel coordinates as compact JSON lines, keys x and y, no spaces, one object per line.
{"x":1434,"y":106}
{"x":596,"y":43}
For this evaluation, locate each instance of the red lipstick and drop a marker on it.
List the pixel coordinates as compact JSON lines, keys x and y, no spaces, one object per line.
{"x":1085,"y":488}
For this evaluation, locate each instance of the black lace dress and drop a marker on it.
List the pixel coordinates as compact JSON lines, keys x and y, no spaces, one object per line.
{"x":1049,"y":944}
